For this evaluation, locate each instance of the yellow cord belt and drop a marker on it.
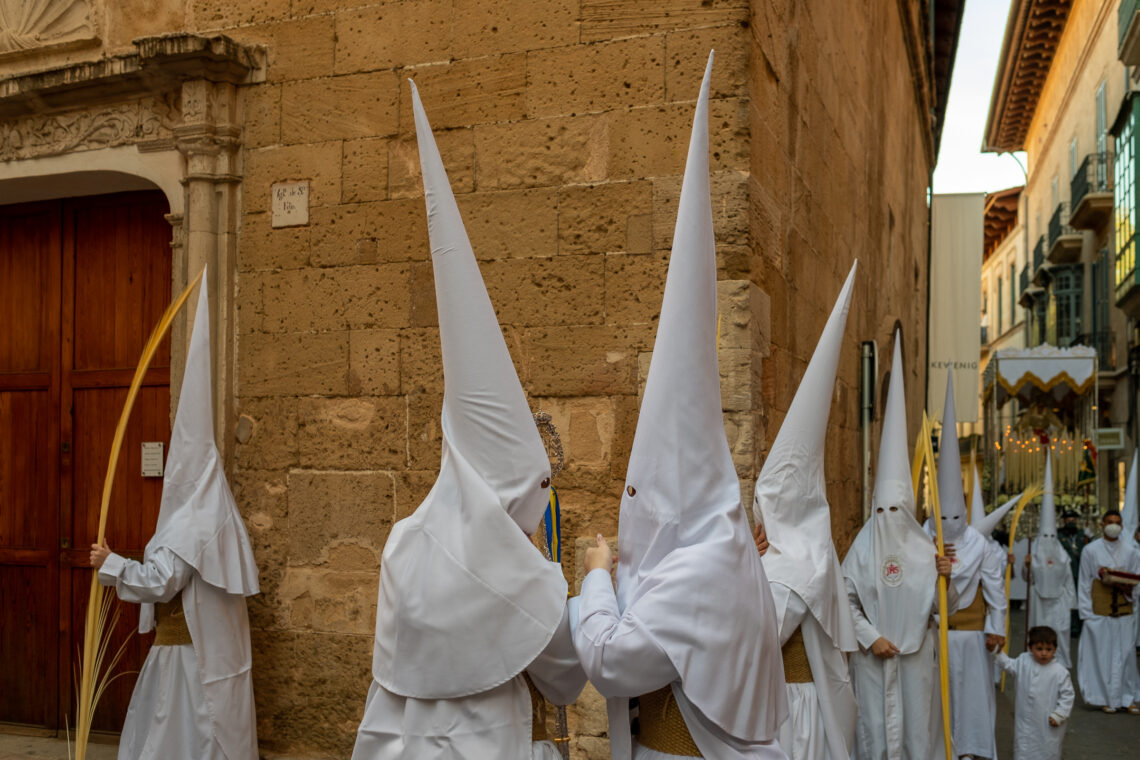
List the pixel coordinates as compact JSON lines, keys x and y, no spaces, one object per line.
{"x":797,"y":669}
{"x":972,"y":618}
{"x":537,"y":711}
{"x":662,"y":727}
{"x":170,"y":624}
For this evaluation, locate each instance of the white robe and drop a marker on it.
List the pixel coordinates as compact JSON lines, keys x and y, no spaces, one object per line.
{"x":168,"y":717}
{"x":1018,"y":588}
{"x":623,"y":660}
{"x":1106,"y":657}
{"x":973,"y":702}
{"x":1042,"y":691}
{"x":1054,"y":611}
{"x":493,"y":724}
{"x":900,"y":707}
{"x":818,"y":719}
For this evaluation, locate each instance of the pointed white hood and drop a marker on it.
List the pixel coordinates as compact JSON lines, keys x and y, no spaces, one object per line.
{"x":198,"y":519}
{"x":466,"y":602}
{"x":1049,"y":562}
{"x":951,"y":498}
{"x":791,"y":492}
{"x":891,"y":561}
{"x":977,"y":504}
{"x":682,"y":529}
{"x":988,"y":524}
{"x":1129,"y":514}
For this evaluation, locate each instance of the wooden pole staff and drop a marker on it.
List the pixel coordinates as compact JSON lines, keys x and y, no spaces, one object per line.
{"x":94,"y":629}
{"x":1030,"y":494}
{"x":943,"y":604}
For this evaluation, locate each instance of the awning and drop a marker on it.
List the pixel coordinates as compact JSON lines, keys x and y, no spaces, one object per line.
{"x":1027,"y":373}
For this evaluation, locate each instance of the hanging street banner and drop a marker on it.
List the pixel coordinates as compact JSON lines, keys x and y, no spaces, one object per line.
{"x":957,"y":238}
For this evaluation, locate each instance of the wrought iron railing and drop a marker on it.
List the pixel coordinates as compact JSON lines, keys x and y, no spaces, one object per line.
{"x":1039,"y":253}
{"x":1102,"y":342}
{"x":1124,"y":16}
{"x":1093,"y":176}
{"x":1023,"y":280}
{"x":1059,"y":223}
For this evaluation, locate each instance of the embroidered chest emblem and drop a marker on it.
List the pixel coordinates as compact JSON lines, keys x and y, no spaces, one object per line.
{"x":892,"y":570}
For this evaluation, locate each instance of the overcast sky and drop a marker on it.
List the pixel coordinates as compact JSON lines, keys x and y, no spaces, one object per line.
{"x":962,"y":167}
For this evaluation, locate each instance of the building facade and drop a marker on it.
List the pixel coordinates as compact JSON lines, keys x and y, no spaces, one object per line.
{"x":272,"y":141}
{"x":1059,"y":87}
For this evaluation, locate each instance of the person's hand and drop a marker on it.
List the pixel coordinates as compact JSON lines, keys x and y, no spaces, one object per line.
{"x":949,"y":551}
{"x":1053,"y":722}
{"x":761,"y":538}
{"x":1010,"y":558}
{"x":99,"y":554}
{"x":883,"y":649}
{"x":599,"y":557}
{"x":994,"y":642}
{"x":943,"y":564}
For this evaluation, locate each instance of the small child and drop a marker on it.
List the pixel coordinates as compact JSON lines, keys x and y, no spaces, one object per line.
{"x":1044,"y":697}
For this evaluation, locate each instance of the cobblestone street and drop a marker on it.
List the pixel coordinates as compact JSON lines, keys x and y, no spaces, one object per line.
{"x":1092,"y":735}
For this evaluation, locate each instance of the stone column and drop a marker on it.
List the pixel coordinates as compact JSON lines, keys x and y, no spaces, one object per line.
{"x":209,"y":140}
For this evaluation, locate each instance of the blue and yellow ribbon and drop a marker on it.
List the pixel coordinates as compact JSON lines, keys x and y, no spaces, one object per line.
{"x":552,"y":522}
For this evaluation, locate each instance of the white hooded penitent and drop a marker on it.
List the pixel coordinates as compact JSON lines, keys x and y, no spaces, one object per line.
{"x":977,"y":504}
{"x":951,"y":497}
{"x":198,"y":520}
{"x":791,"y":492}
{"x":466,"y":602}
{"x":687,"y":565}
{"x":1051,"y":573}
{"x":891,"y":561}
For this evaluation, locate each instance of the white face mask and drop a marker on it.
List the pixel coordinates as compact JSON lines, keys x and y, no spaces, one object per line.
{"x":1112,"y":530}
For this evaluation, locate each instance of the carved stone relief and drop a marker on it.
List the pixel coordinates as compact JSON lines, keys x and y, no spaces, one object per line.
{"x":143,"y":121}
{"x":28,"y":24}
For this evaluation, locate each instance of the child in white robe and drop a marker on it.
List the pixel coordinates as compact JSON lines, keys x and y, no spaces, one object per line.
{"x":1044,"y":697}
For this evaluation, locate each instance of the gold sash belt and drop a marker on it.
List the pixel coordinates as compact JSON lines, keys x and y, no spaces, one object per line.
{"x":170,"y":624}
{"x":663,"y":728}
{"x":797,"y":669}
{"x":972,"y":618}
{"x":1109,"y":601}
{"x":537,"y":711}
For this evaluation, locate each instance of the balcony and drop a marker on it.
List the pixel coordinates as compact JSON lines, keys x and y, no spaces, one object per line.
{"x":1040,"y":269}
{"x":1128,"y":25}
{"x":1102,"y":342}
{"x":1091,"y":191}
{"x":1064,"y":241}
{"x":1028,"y":292}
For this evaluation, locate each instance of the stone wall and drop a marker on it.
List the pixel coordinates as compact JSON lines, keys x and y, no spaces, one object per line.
{"x":564,"y":126}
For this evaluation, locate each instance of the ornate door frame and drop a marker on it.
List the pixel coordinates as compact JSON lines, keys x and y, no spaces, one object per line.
{"x":167,"y":115}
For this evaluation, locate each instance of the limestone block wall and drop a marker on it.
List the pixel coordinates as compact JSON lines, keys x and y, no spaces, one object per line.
{"x":564,"y":126}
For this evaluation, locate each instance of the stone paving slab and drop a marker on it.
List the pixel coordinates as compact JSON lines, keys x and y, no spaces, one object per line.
{"x":13,"y":747}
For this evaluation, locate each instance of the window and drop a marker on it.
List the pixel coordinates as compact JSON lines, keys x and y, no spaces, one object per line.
{"x":1073,"y":162}
{"x":1012,"y":294}
{"x":1124,"y":213}
{"x":1101,"y":137}
{"x":1054,"y":193}
{"x":1064,"y":315}
{"x":999,"y":309}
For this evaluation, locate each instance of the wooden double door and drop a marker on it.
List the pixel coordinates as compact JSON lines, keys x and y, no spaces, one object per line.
{"x":82,"y":283}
